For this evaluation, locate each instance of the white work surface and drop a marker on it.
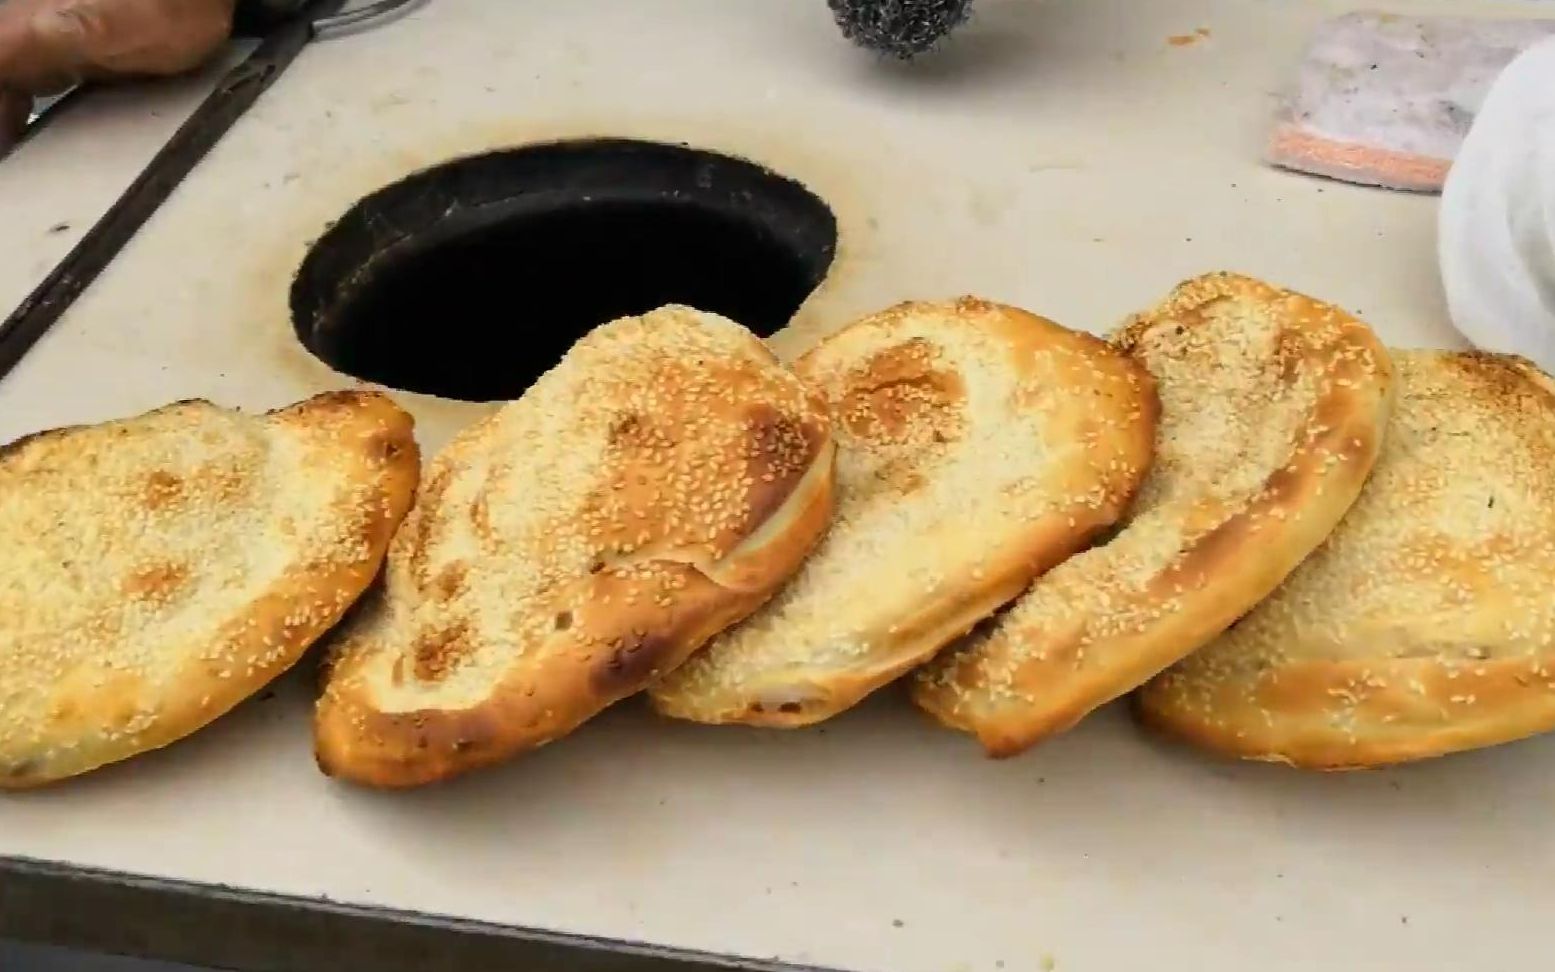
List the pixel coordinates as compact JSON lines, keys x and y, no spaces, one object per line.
{"x":1062,"y":155}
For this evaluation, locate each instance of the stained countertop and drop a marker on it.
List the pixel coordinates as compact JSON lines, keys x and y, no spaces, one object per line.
{"x":1067,"y":156}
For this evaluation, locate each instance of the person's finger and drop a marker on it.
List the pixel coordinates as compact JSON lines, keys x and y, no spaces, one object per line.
{"x":27,"y":62}
{"x":140,"y":37}
{"x":15,"y":108}
{"x":61,"y":42}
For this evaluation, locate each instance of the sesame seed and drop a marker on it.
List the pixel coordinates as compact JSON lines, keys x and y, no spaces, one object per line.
{"x":948,"y":431}
{"x":1248,"y":379}
{"x":157,"y":549}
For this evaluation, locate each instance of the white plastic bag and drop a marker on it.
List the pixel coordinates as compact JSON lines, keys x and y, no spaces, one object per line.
{"x":1496,"y":237}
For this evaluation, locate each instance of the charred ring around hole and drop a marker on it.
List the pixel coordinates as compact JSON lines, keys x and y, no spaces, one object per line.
{"x":470,"y":279}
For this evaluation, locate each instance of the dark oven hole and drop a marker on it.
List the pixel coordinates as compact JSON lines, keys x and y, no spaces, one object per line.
{"x":471,"y":279}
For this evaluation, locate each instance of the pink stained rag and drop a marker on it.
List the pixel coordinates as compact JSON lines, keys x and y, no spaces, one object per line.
{"x":1385,"y":100}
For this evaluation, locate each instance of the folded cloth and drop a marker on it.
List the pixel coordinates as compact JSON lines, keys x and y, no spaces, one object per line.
{"x":1496,"y":232}
{"x":1385,"y":100}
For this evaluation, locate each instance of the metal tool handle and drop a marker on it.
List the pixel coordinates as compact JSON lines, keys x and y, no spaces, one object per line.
{"x":363,"y":17}
{"x":233,"y":96}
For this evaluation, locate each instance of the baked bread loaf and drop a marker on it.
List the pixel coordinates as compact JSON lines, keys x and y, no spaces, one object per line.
{"x":1272,"y":410}
{"x":1425,"y":624}
{"x":650,"y":490}
{"x":157,"y":571}
{"x":978,"y":446}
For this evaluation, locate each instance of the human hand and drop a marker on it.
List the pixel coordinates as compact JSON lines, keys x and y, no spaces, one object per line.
{"x":47,"y":46}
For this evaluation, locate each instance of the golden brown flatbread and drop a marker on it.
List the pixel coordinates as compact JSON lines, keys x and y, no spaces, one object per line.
{"x":1426,"y":623}
{"x":978,"y":446}
{"x":1272,"y":411}
{"x":157,"y":571}
{"x":650,"y":490}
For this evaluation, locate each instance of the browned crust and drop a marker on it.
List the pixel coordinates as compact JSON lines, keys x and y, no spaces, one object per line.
{"x":1047,"y":542}
{"x":1284,"y":717}
{"x":16,"y":447}
{"x":544,"y":702}
{"x":1361,"y":713}
{"x":614,"y":645}
{"x":936,"y":624}
{"x":794,"y":512}
{"x":1215,"y":580}
{"x":1012,"y":559}
{"x":272,"y":634}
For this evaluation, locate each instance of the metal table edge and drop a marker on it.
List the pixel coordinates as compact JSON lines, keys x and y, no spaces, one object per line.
{"x":231,"y":927}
